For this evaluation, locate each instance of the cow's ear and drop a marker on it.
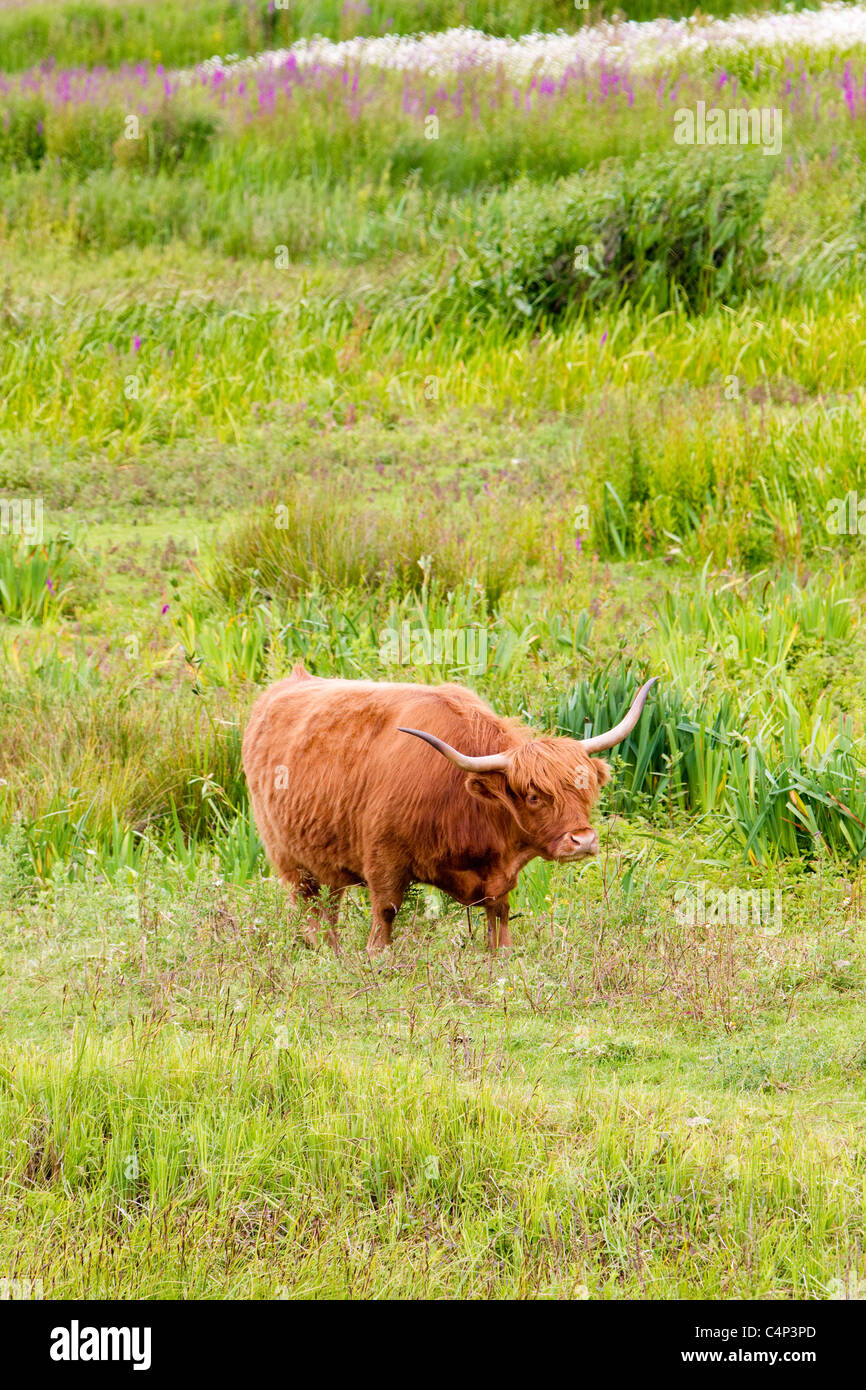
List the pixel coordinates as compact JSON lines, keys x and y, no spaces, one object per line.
{"x":488,"y":786}
{"x":602,"y":771}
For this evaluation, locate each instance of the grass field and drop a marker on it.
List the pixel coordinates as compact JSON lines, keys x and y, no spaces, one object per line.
{"x":92,"y":32}
{"x":296,"y":355}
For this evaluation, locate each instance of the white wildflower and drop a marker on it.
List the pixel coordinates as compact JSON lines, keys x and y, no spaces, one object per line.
{"x":637,"y":44}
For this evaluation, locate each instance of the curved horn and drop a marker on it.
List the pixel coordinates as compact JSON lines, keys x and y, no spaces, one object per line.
{"x":623,"y":729}
{"x":492,"y":762}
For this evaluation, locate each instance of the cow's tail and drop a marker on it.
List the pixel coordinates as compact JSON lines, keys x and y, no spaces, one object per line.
{"x":300,"y":673}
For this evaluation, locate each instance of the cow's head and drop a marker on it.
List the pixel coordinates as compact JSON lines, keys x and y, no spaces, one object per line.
{"x":547,"y":784}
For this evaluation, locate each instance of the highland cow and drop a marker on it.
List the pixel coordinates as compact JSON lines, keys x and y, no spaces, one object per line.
{"x":363,"y":782}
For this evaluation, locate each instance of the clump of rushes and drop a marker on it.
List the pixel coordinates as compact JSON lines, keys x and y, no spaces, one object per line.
{"x":316,"y":535}
{"x":37,"y":580}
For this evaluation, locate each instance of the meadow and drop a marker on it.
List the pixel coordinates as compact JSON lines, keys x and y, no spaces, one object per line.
{"x":300,"y":352}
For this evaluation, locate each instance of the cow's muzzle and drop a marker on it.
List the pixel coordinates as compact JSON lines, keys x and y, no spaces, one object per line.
{"x":579,"y":844}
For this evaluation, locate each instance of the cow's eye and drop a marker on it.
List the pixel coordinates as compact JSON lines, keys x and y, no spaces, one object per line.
{"x":533,"y":799}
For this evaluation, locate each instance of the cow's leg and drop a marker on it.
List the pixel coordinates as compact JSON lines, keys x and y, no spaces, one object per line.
{"x":498,"y":930}
{"x":327,"y":911}
{"x":306,"y":891}
{"x":385,"y":902}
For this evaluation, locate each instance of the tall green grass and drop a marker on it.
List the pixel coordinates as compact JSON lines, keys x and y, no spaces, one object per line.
{"x":737,"y":737}
{"x":37,"y":580}
{"x":311,"y":534}
{"x":236,"y":1160}
{"x":771,"y":798}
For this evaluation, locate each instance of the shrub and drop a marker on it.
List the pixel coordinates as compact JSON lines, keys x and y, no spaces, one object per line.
{"x":656,"y":231}
{"x":171,"y":136}
{"x":89,"y":137}
{"x":22,"y":134}
{"x":82,"y":137}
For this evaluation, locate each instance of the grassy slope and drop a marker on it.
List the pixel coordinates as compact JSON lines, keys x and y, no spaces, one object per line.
{"x":625,"y":1107}
{"x":619,"y":1108}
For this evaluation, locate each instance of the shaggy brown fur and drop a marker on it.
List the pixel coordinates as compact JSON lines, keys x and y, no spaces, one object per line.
{"x":341,"y":797}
